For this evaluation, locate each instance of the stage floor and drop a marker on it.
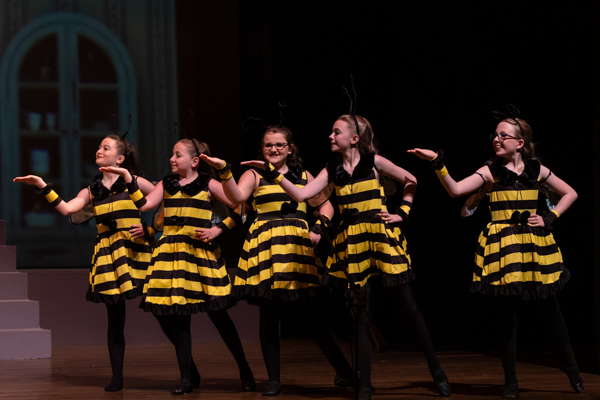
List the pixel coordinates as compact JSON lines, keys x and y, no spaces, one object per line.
{"x":151,"y":371}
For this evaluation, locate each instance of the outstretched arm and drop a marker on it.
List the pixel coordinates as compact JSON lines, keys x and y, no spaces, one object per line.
{"x":299,"y":194}
{"x":65,"y":208}
{"x":460,"y":188}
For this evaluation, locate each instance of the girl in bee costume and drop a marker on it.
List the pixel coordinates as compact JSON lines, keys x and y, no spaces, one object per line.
{"x":122,"y":254}
{"x":278,"y":262}
{"x":517,"y":258}
{"x":187,"y":273}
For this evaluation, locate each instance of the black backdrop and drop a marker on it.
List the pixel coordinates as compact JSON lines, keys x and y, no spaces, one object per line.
{"x":426,"y":75}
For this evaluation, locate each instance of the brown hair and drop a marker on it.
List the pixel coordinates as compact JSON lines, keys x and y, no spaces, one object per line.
{"x":203,"y":148}
{"x":287,"y":133}
{"x":366,"y":136}
{"x":525,"y":133}
{"x":126,"y":149}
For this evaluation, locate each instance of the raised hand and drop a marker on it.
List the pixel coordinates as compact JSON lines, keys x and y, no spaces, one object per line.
{"x":118,"y":171}
{"x":213,"y":161}
{"x":32,"y":180}
{"x":254,"y":163}
{"x":423,"y":154}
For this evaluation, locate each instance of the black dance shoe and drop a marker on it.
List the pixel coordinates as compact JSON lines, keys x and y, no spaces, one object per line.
{"x":364,"y":394}
{"x":441,"y":383}
{"x":511,"y":391}
{"x":272,"y":389}
{"x":248,"y":383}
{"x":343,"y":381}
{"x":574,"y":379}
{"x":114,"y":386}
{"x":182,"y":389}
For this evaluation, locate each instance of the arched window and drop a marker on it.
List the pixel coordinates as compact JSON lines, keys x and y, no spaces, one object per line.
{"x":62,"y":78}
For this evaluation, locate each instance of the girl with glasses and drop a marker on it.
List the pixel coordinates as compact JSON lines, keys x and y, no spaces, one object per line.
{"x":517,"y":259}
{"x":369,"y":249}
{"x":122,"y":253}
{"x":278,"y":263}
{"x":187,"y":273}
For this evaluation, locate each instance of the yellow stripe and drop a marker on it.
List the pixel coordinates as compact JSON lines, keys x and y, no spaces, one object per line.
{"x":503,"y":215}
{"x":513,"y":195}
{"x":136,"y":196}
{"x":358,"y":187}
{"x":51,"y":196}
{"x":188,"y":212}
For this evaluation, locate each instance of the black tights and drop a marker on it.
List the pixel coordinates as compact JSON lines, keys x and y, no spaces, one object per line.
{"x":115,"y":338}
{"x":270,"y":317}
{"x":177,"y":329}
{"x":409,"y":311}
{"x":510,"y":310}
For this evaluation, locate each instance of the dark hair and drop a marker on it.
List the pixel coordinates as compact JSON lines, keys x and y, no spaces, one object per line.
{"x":523,"y":130}
{"x":287,"y":133}
{"x":203,"y":148}
{"x":366,"y":136}
{"x":126,"y":149}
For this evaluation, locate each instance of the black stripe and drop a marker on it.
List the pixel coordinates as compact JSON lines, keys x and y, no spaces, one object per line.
{"x":280,"y":259}
{"x":188,"y":203}
{"x":273,"y":197}
{"x":359,"y":196}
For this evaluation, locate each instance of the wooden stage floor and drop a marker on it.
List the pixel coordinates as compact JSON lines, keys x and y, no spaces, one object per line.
{"x":151,"y":371}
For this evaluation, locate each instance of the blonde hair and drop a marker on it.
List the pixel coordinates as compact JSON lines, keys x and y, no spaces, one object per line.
{"x":366,"y":136}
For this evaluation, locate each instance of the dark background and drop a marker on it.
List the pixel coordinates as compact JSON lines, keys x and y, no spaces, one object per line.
{"x":426,"y":75}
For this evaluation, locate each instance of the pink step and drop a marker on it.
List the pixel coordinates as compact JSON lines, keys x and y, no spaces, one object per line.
{"x":13,"y":286}
{"x":16,"y":344}
{"x":19,"y":314}
{"x":8,"y":258}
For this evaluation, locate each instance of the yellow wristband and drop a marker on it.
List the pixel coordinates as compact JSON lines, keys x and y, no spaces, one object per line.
{"x":442,"y":172}
{"x":278,"y":179}
{"x":227,"y":175}
{"x":224,"y":164}
{"x":405,"y":208}
{"x":555,"y":213}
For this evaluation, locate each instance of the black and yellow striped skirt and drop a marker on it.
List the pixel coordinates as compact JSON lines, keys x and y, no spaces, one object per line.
{"x":119,"y":267}
{"x":518,"y":260}
{"x":277,"y":262}
{"x":366,"y":249}
{"x":186,"y":276}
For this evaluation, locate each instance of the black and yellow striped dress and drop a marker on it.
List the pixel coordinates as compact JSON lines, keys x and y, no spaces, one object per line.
{"x":120,"y":261}
{"x":186,"y":275}
{"x":365,"y":245}
{"x":514,"y":258}
{"x":277,"y":260}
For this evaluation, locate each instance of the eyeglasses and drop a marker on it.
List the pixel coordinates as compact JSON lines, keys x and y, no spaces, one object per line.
{"x":278,"y":146}
{"x":502,"y":136}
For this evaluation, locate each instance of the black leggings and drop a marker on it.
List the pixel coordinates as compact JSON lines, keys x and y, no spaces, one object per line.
{"x":270,"y":317}
{"x":177,"y":329}
{"x":511,"y":309}
{"x":409,"y":311}
{"x":115,"y":338}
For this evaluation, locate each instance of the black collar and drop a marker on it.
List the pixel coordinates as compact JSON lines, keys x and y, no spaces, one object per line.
{"x":172,"y":186}
{"x":340,"y":177}
{"x":100,"y":192}
{"x":506,"y":177}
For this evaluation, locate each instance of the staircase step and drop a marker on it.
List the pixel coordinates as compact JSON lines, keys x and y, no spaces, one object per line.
{"x":8,"y":259}
{"x":19,"y":314}
{"x":13,"y":286}
{"x":16,"y":344}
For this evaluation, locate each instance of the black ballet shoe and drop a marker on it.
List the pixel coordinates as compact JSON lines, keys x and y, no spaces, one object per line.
{"x":574,"y":379}
{"x":343,"y":381}
{"x":182,"y":389}
{"x":364,"y":394}
{"x":511,"y":391}
{"x":114,"y":386}
{"x":248,"y":383}
{"x":273,"y":389}
{"x":441,"y":383}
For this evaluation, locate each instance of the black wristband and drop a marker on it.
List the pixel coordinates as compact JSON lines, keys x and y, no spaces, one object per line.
{"x":438,"y":161}
{"x":45,"y":190}
{"x":270,"y":174}
{"x":549,"y":219}
{"x":317,"y":229}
